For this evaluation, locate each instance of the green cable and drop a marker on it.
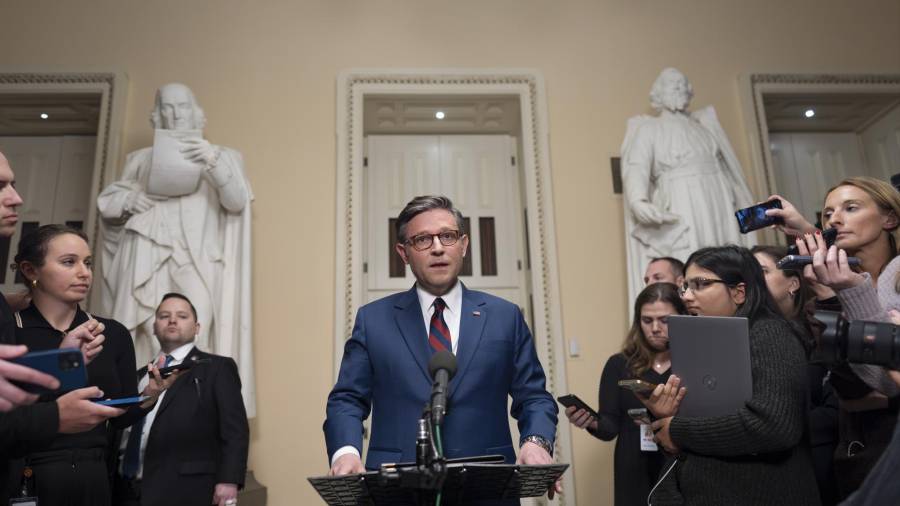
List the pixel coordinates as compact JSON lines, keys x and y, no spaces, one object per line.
{"x":440,"y":448}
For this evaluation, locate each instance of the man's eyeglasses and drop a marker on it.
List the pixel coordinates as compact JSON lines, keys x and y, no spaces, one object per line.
{"x":698,"y":284}
{"x":423,"y":242}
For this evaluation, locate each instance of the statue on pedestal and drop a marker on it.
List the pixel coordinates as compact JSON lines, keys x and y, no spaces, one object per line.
{"x":682,"y":181}
{"x":179,"y":221}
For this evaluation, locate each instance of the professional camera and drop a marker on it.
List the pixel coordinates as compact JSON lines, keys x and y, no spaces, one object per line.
{"x":858,"y":342}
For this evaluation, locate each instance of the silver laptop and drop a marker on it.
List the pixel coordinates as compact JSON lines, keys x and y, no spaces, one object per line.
{"x":711,"y":355}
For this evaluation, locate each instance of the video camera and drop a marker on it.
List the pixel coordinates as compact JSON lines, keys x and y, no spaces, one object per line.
{"x":858,"y":341}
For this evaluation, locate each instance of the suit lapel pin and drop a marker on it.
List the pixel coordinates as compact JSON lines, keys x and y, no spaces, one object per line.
{"x":476,"y":313}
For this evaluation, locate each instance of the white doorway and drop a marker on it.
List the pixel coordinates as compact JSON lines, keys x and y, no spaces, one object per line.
{"x":77,"y":104}
{"x":809,"y":131}
{"x":53,"y":176}
{"x":478,"y":173}
{"x":817,"y":140}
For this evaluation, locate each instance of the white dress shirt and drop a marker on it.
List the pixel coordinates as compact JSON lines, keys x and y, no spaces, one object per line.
{"x":178,"y":356}
{"x":452,"y":314}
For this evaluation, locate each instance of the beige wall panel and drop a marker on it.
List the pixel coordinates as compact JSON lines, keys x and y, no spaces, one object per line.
{"x":265,"y":73}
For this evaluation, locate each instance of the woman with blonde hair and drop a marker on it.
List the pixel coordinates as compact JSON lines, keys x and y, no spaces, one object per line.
{"x":865,"y":212}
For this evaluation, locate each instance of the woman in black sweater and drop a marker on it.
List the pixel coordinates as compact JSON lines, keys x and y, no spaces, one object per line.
{"x":71,"y":469}
{"x":645,"y":356}
{"x":755,"y":455}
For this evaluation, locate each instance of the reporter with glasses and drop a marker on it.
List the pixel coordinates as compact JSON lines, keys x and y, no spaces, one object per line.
{"x":645,"y":356}
{"x":755,"y":455}
{"x":866,"y":214}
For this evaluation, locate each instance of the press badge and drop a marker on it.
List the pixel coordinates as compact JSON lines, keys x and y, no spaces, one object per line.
{"x":647,"y":442}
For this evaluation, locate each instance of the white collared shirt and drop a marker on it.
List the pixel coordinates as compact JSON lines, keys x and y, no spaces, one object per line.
{"x":452,"y":313}
{"x":453,"y":300}
{"x":178,"y":356}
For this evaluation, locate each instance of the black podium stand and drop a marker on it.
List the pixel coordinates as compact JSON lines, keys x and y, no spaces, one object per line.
{"x":464,"y":482}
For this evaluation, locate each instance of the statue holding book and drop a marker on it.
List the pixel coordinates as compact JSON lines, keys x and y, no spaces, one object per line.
{"x":179,"y":221}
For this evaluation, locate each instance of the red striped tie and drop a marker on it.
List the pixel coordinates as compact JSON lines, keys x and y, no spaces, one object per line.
{"x":439,"y":334}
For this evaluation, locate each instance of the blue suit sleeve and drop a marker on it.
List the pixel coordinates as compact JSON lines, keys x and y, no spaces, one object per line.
{"x":350,"y":401}
{"x":533,"y":407}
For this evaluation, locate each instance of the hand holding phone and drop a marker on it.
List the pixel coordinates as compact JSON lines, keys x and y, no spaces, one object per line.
{"x":572,"y":401}
{"x":754,"y":217}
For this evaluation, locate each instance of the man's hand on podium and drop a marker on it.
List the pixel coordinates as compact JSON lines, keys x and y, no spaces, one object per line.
{"x":531,"y":454}
{"x":349,"y":463}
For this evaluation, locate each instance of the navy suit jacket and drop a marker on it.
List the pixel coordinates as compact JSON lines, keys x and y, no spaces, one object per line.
{"x":385,"y":370}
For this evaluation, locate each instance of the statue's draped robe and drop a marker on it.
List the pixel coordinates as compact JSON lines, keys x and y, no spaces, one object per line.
{"x":208,"y":230}
{"x":682,"y":164}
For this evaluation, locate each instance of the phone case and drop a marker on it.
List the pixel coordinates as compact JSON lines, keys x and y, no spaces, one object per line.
{"x":66,"y":365}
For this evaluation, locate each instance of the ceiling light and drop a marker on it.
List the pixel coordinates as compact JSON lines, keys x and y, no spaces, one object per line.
{"x":809,"y":113}
{"x":44,"y":115}
{"x":439,"y":115}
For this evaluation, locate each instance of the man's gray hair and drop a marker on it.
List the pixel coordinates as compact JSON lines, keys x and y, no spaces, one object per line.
{"x":156,"y":113}
{"x":423,"y":203}
{"x":658,"y":92}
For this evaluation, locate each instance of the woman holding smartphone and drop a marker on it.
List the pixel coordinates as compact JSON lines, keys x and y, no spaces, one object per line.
{"x":753,"y":456}
{"x":644,"y":356}
{"x":71,"y":469}
{"x":865,"y":212}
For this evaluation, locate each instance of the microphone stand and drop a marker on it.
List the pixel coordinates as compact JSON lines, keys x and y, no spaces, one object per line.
{"x":430,"y":471}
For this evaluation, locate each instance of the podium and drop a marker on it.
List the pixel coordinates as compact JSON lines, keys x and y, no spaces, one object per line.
{"x":464,"y":482}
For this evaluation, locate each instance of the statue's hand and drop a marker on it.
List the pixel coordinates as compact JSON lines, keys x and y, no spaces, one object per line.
{"x":138,"y":202}
{"x":199,"y":151}
{"x":648,"y":214}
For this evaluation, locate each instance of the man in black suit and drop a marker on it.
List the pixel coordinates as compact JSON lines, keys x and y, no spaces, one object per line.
{"x":192,"y":447}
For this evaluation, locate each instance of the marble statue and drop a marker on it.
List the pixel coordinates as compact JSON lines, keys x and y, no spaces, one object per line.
{"x":682,"y":181}
{"x":179,"y":221}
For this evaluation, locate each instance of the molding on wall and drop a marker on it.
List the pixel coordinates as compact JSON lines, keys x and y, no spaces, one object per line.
{"x":112,"y":87}
{"x":352,"y":87}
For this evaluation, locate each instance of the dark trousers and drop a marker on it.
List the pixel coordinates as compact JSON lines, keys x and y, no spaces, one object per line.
{"x":71,"y":478}
{"x":126,"y":492}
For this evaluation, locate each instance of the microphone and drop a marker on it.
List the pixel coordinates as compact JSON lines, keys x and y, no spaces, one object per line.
{"x":442,"y":368}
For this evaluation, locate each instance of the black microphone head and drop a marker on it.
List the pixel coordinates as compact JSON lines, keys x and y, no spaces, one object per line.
{"x":442,"y":360}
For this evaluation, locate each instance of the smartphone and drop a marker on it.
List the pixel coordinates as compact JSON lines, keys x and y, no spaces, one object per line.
{"x":829,"y":235}
{"x":754,"y":217}
{"x":797,"y":262}
{"x":570,"y":400}
{"x":123,"y":402}
{"x":640,"y":415}
{"x":636,"y":385}
{"x":65,"y":364}
{"x":165,"y":372}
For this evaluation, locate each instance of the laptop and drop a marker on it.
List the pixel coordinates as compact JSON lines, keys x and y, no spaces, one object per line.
{"x":711,"y":355}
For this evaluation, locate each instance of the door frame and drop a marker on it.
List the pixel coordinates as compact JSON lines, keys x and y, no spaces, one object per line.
{"x":754,"y":86}
{"x":353,"y":85}
{"x":112,"y":87}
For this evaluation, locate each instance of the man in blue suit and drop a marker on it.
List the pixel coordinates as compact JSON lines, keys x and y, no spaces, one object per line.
{"x":385,"y":363}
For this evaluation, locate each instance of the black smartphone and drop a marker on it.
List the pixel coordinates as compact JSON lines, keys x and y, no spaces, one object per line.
{"x":829,"y":235}
{"x":797,"y":262}
{"x":66,"y":365}
{"x":123,"y":402}
{"x":165,"y":372}
{"x":636,"y":385}
{"x":754,"y":217}
{"x":640,"y":415}
{"x":570,"y":400}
